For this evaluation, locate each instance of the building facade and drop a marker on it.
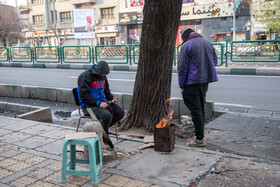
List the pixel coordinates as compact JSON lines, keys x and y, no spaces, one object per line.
{"x":51,"y":22}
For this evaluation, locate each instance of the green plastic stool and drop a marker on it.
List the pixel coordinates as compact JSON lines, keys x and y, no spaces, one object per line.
{"x":95,"y":159}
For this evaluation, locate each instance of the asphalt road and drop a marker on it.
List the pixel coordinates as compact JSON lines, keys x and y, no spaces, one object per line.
{"x":254,"y":92}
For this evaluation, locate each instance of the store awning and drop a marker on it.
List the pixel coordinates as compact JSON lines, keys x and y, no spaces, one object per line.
{"x":258,"y":27}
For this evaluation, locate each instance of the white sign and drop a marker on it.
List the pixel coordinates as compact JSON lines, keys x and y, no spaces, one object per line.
{"x":84,"y":23}
{"x":207,"y":11}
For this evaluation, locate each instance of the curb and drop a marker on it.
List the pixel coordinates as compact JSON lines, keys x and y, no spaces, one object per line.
{"x":220,"y":70}
{"x":65,"y":96}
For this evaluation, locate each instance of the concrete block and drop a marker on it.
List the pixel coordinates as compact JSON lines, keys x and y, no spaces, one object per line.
{"x":14,"y":91}
{"x":268,"y":71}
{"x":3,"y":105}
{"x":41,"y":115}
{"x":27,"y":65}
{"x":209,"y":110}
{"x":23,"y":108}
{"x":50,"y":65}
{"x":51,"y":92}
{"x":61,"y":95}
{"x":33,"y":108}
{"x":175,"y":105}
{"x":76,"y":66}
{"x":223,"y":70}
{"x":13,"y":107}
{"x":126,"y":100}
{"x":3,"y":90}
{"x":183,"y":108}
{"x":119,"y":98}
{"x":33,"y":91}
{"x":133,"y":68}
{"x":120,"y":68}
{"x":43,"y":93}
{"x":6,"y":64}
{"x":69,"y":96}
{"x":25,"y":92}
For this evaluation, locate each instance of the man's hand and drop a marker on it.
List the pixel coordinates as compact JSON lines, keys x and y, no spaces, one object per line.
{"x":103,"y":105}
{"x":114,"y":100}
{"x":182,"y":90}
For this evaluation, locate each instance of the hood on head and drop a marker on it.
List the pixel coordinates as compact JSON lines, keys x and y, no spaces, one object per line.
{"x":186,"y":33}
{"x":101,"y":68}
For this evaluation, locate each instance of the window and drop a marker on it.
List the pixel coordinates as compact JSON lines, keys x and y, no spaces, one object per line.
{"x":65,"y":16}
{"x":38,"y":20}
{"x":36,"y":1}
{"x":188,"y":1}
{"x":107,"y":13}
{"x":224,"y":18}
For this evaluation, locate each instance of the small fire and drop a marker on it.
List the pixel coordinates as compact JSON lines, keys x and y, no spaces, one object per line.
{"x":163,"y":123}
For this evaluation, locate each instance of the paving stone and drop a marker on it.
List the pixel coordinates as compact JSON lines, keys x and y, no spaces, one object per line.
{"x":2,"y":158}
{"x":35,"y":160}
{"x":58,"y":133}
{"x":260,"y":112}
{"x":5,"y":173}
{"x":52,"y":148}
{"x":74,"y":181}
{"x":18,"y":126}
{"x":42,"y":184}
{"x":19,"y":166}
{"x":39,"y":129}
{"x":56,"y":166}
{"x":104,"y":185}
{"x":55,"y":178}
{"x":116,"y":180}
{"x":8,"y":162}
{"x":34,"y":142}
{"x":41,"y":173}
{"x":4,"y":132}
{"x":9,"y":153}
{"x":137,"y":183}
{"x":23,"y":181}
{"x":22,"y":156}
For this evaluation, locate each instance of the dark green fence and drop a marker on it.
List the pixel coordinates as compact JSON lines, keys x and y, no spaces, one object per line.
{"x":4,"y":54}
{"x":238,"y":51}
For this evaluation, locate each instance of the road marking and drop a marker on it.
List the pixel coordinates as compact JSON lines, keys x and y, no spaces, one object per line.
{"x":128,"y":80}
{"x":230,"y":104}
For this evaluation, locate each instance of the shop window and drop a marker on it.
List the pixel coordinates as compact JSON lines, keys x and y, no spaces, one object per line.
{"x":38,"y":20}
{"x":36,"y":1}
{"x":107,"y":40}
{"x":107,"y":13}
{"x":65,"y":16}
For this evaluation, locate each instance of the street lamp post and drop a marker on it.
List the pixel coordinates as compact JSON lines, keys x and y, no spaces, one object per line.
{"x":233,"y":22}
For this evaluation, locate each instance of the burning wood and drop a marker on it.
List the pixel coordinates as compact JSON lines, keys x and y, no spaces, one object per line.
{"x":165,"y":121}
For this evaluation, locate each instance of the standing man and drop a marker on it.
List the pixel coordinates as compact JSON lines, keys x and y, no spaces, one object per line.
{"x":93,"y":91}
{"x":196,"y":68}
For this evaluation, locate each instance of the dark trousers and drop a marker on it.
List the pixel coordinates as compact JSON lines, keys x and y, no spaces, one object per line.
{"x":109,"y":116}
{"x":195,"y":98}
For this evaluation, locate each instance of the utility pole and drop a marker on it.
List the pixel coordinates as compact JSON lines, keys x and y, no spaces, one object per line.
{"x":233,"y":22}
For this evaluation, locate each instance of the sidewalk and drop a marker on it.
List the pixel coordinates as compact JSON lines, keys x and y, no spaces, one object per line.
{"x":30,"y":155}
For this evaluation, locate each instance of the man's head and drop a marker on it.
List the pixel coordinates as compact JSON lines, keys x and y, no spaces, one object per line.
{"x":101,"y":68}
{"x":186,"y":33}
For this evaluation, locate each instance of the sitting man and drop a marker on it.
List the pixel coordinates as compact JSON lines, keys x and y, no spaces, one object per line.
{"x":93,"y":91}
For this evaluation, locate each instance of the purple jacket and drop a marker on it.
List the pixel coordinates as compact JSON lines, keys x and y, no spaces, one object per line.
{"x":197,"y":61}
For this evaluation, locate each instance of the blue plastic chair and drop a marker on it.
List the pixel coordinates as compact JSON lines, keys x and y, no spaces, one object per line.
{"x":95,"y":159}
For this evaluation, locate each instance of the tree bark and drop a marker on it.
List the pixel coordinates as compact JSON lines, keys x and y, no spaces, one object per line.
{"x":153,"y":79}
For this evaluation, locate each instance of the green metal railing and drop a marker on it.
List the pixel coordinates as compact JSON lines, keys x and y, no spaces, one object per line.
{"x":47,"y":54}
{"x":21,"y":54}
{"x":238,"y":51}
{"x":4,"y":54}
{"x":112,"y":54}
{"x":76,"y":54}
{"x":255,"y":51}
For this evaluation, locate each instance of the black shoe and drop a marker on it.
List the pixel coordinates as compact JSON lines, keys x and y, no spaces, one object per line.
{"x":85,"y":112}
{"x":108,"y":141}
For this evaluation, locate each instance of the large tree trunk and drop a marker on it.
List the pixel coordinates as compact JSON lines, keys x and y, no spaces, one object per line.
{"x":153,"y":80}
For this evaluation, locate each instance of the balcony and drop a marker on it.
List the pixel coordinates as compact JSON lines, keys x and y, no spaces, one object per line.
{"x":82,"y":1}
{"x":23,"y":9}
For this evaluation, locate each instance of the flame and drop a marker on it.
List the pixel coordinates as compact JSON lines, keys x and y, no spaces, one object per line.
{"x":163,"y":123}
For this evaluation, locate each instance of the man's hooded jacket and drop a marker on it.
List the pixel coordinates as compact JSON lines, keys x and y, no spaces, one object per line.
{"x":197,"y":60}
{"x":92,"y":88}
